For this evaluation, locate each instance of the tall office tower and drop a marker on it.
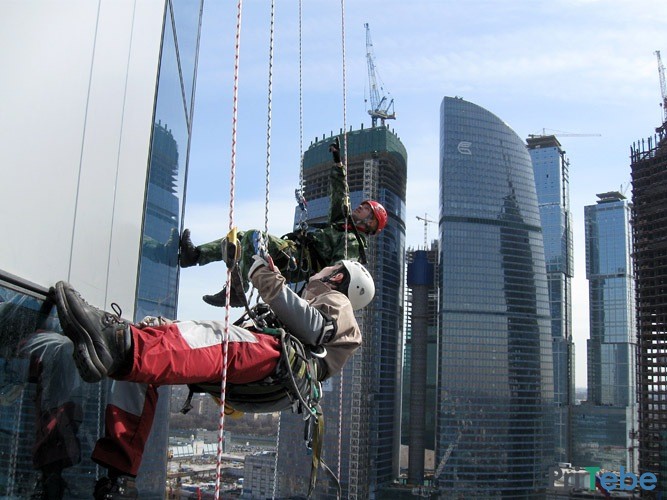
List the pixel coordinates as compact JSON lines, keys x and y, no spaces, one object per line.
{"x":604,"y":426}
{"x":367,"y":396}
{"x":495,"y":380}
{"x":419,"y":364}
{"x":97,"y":204}
{"x":649,"y":237}
{"x":552,"y":182}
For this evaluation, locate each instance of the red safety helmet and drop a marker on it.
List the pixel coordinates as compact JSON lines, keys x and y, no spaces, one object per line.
{"x":379,"y":212}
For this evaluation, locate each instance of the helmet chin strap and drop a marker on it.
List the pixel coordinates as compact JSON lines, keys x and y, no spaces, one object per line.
{"x":363,"y":222}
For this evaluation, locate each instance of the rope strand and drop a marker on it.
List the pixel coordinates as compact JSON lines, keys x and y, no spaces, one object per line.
{"x":268,"y":122}
{"x":266,"y":200}
{"x":347,"y":189}
{"x":347,"y":201}
{"x":301,"y":182}
{"x":225,"y":342}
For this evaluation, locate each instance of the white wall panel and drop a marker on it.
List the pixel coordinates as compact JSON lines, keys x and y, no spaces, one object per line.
{"x":143,"y":65}
{"x":76,"y":109}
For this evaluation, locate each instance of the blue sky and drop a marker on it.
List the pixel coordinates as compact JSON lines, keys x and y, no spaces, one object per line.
{"x":568,"y":66}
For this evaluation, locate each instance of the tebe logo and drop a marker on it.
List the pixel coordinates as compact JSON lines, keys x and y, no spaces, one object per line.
{"x":609,"y":481}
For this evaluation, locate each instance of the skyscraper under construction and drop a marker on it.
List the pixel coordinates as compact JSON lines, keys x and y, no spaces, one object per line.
{"x":362,"y":405}
{"x":649,"y":197}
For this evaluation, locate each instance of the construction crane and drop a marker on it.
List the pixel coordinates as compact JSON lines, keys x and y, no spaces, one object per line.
{"x":381,"y":106}
{"x":426,"y":222}
{"x":429,"y":491}
{"x":561,"y":134}
{"x":663,"y":90}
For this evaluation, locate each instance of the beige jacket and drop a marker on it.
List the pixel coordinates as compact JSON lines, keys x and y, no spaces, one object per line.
{"x":310,"y":318}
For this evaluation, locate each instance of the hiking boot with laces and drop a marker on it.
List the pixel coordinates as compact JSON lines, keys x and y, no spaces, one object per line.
{"x":117,"y":488}
{"x":237,"y":294}
{"x":189,"y":253}
{"x":102,"y":340}
{"x":237,"y":298}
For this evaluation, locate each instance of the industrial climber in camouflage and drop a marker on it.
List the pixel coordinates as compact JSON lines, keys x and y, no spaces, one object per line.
{"x":303,"y":252}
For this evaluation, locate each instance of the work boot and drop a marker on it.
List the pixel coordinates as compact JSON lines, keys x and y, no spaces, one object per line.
{"x":237,"y":295}
{"x":119,"y":487}
{"x":102,"y":340}
{"x":237,"y":299}
{"x":189,"y":253}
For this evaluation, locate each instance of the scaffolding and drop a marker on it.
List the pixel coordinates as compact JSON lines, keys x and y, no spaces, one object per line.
{"x":649,"y":220}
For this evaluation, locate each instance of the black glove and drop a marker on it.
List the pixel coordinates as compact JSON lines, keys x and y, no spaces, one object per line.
{"x":334,"y":148}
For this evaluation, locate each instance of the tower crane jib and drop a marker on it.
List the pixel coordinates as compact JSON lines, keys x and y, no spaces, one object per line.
{"x":663,"y":86}
{"x":382,"y":107}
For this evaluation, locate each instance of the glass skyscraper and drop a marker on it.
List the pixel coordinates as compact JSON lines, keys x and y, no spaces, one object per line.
{"x":107,"y":191}
{"x":552,"y":182}
{"x":612,"y":346}
{"x":367,"y":395}
{"x":495,"y":391}
{"x":604,"y":426}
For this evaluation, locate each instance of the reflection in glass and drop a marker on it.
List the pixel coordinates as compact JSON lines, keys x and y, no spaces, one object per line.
{"x":49,"y":419}
{"x":495,"y":393}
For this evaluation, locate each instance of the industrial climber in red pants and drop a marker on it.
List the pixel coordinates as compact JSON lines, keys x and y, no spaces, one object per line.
{"x":190,"y":352}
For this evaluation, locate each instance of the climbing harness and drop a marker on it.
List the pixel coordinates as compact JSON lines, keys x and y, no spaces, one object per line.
{"x":294,"y":385}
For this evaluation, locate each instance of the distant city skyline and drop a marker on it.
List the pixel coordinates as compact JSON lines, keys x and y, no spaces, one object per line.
{"x":573,"y":66}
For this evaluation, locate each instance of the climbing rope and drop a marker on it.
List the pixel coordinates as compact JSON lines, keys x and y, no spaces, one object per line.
{"x":344,"y":152}
{"x":225,"y":342}
{"x":268,"y":121}
{"x":267,"y":191}
{"x":347,"y":210}
{"x":301,"y":201}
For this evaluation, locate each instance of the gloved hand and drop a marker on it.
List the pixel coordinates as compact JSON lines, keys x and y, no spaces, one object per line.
{"x":260,"y":262}
{"x":334,"y":149}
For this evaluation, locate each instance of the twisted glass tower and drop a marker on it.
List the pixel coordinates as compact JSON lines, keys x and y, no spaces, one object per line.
{"x":495,"y":390}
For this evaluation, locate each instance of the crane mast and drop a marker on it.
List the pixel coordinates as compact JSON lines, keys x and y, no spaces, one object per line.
{"x":381,"y":106}
{"x":663,"y":87}
{"x":426,"y":222}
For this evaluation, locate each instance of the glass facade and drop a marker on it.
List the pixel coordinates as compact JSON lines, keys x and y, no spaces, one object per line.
{"x":157,"y":289}
{"x":551,"y":169}
{"x":50,"y":418}
{"x":612,"y":346}
{"x":495,"y":392}
{"x":369,"y":389}
{"x":600,"y":436}
{"x":48,"y":415}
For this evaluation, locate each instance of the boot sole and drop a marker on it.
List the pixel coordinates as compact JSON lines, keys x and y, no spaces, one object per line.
{"x":87,"y":362}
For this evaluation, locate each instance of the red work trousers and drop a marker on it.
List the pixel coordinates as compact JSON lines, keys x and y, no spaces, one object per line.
{"x":180,"y":353}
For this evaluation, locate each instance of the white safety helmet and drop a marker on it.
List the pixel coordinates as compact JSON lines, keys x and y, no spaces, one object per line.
{"x":361,"y":289}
